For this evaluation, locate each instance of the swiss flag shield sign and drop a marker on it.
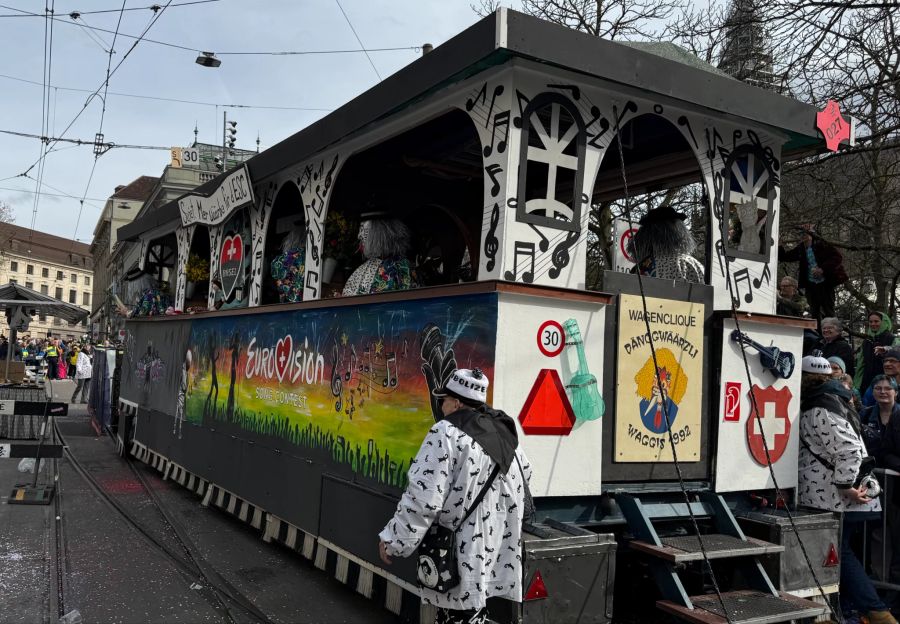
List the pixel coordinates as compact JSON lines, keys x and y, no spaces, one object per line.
{"x":231,"y":263}
{"x":772,"y":404}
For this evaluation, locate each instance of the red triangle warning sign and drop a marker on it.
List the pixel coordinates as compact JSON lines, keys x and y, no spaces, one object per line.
{"x":547,"y":410}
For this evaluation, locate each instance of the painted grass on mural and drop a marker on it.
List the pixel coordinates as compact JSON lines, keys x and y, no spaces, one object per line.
{"x":378,"y":435}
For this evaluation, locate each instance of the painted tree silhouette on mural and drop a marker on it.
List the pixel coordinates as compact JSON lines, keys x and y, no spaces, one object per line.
{"x":213,"y":354}
{"x":235,"y":353}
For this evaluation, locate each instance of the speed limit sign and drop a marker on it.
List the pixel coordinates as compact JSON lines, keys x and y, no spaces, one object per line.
{"x":551,"y":338}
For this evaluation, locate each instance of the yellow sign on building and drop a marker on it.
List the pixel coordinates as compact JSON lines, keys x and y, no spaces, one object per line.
{"x":647,"y":410}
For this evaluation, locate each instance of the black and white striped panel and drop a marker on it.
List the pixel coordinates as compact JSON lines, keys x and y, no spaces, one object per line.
{"x":127,"y":409}
{"x":393,"y":593}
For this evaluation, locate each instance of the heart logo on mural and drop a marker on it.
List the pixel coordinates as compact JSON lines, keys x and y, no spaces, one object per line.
{"x":231,"y":263}
{"x":284,"y":350}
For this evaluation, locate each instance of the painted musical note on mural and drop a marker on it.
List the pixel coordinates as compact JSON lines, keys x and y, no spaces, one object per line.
{"x":501,"y":120}
{"x":390,"y":381}
{"x":526,"y":250}
{"x":352,"y":360}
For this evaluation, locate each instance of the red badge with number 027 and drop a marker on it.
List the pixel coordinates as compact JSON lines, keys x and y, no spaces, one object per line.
{"x":833,"y":125}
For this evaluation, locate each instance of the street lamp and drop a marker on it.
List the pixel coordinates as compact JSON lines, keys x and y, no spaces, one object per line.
{"x":207,"y":59}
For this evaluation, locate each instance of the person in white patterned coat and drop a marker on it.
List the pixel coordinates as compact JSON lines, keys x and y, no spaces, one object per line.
{"x":831,"y":453}
{"x":455,"y":460}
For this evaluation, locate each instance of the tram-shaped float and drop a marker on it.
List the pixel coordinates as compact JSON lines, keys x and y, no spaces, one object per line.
{"x":301,"y":418}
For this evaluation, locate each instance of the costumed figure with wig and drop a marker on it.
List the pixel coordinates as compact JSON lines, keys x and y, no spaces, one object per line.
{"x":153,"y":299}
{"x":663,"y":246}
{"x":384,"y":243}
{"x":289,"y":267}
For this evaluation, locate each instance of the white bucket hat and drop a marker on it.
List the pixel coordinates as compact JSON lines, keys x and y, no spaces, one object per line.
{"x":816,"y":364}
{"x":468,"y":385}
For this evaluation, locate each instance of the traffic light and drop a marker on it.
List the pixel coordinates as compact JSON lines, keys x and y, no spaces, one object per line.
{"x":231,"y":133}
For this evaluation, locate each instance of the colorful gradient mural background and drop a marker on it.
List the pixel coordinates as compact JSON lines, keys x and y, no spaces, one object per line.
{"x":359,"y":395}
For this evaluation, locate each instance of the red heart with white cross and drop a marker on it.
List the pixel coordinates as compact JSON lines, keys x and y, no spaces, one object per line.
{"x":231,"y":263}
{"x":284,"y":350}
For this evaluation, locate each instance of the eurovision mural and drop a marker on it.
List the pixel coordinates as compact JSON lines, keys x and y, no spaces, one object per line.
{"x":351,"y":382}
{"x":647,"y":409}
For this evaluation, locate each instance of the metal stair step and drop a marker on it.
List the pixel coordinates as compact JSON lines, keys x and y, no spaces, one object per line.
{"x":744,"y":607}
{"x":686,"y":548}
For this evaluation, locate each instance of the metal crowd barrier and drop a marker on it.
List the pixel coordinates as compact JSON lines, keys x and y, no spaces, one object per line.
{"x":887,"y":479}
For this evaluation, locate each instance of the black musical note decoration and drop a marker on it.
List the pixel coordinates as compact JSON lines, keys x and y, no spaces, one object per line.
{"x":501,"y":120}
{"x":766,"y":275}
{"x":524,"y":250}
{"x":741,"y":275}
{"x":491,"y":243}
{"x":545,"y":242}
{"x":684,"y":121}
{"x":494,"y":170}
{"x":473,"y":101}
{"x":560,"y":257}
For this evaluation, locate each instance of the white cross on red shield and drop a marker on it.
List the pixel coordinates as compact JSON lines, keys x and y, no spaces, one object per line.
{"x":772,"y":404}
{"x":231,"y":263}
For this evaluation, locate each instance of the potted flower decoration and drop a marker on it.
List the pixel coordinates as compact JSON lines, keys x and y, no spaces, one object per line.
{"x":196,"y":270}
{"x":340,"y":244}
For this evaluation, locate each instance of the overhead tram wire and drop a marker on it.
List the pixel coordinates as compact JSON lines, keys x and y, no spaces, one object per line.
{"x":177,"y":46}
{"x":97,"y":154}
{"x":99,"y":134}
{"x":152,"y":7}
{"x":658,"y":381}
{"x":95,"y":93}
{"x":176,"y":100}
{"x":45,"y":109}
{"x":358,"y":40}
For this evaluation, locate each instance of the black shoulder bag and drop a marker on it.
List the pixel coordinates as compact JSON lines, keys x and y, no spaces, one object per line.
{"x":437,"y":567}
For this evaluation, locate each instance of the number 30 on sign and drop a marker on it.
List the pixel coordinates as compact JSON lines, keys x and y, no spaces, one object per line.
{"x":551,"y":338}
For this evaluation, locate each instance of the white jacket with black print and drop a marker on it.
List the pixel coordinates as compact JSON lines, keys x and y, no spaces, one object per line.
{"x":447,"y":474}
{"x":830,"y":436}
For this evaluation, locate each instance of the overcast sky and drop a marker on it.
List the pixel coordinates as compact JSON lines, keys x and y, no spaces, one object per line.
{"x":78,"y":65}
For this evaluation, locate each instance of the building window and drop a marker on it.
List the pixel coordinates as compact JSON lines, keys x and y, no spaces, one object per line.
{"x":29,"y":285}
{"x":86,"y":299}
{"x":73,"y":296}
{"x":45,"y":272}
{"x":14,"y":266}
{"x":12,"y":281}
{"x":29,"y":269}
{"x":43,"y":317}
{"x":44,"y":289}
{"x":74,"y":278}
{"x":58,"y":293}
{"x":59,"y":275}
{"x":87,"y":280}
{"x":56,"y":320}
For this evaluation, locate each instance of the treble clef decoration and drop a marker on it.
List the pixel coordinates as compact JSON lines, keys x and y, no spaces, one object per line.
{"x":491,"y":243}
{"x":560,"y":257}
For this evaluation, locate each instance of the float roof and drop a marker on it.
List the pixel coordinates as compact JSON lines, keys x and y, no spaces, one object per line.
{"x":505,"y":34}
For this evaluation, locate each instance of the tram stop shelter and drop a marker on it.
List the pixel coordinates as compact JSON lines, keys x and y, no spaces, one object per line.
{"x":21,"y":304}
